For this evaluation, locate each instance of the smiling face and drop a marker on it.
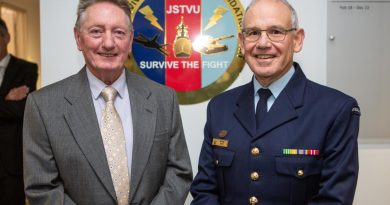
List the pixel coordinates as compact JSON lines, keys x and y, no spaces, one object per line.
{"x":105,"y":38}
{"x":270,"y":60}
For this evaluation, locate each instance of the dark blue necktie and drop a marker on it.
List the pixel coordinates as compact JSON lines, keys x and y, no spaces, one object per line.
{"x":261,"y":108}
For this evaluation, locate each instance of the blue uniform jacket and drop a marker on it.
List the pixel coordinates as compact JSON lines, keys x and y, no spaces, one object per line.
{"x":246,"y":166}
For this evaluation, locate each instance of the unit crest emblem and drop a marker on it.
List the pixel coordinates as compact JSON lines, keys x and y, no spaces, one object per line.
{"x":190,"y":46}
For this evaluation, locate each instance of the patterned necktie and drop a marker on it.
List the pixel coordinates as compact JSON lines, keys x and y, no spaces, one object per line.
{"x":261,"y":108}
{"x":115,"y":146}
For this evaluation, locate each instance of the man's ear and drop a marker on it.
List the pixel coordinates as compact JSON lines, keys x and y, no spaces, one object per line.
{"x":131,"y":40}
{"x":7,"y":38}
{"x":76,"y":33}
{"x":242,"y":46}
{"x":298,"y":40}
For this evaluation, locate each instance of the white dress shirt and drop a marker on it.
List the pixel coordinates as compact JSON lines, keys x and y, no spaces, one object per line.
{"x":3,"y":65}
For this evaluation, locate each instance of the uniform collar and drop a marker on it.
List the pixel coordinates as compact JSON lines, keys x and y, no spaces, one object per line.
{"x":277,"y":86}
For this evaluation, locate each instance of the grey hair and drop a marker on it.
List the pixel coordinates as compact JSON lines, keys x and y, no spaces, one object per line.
{"x":84,"y":4}
{"x":294,"y":16}
{"x":3,"y":28}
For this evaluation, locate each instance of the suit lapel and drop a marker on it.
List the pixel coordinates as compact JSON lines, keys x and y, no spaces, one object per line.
{"x":245,"y":112}
{"x":81,"y":118}
{"x":285,"y":106}
{"x":144,"y":113}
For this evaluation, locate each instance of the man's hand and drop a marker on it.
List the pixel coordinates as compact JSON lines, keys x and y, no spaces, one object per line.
{"x":17,"y":93}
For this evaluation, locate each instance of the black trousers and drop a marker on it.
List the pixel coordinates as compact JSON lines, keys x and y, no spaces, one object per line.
{"x":11,"y":189}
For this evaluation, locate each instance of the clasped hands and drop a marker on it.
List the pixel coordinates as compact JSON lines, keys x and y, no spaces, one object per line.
{"x":17,"y":93}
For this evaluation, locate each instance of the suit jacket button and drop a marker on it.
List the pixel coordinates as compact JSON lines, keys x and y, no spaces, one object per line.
{"x":253,"y":200}
{"x":255,"y":151}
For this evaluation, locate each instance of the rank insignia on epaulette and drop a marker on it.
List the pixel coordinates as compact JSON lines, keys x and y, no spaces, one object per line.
{"x":220,"y":142}
{"x":311,"y":152}
{"x":356,"y":110}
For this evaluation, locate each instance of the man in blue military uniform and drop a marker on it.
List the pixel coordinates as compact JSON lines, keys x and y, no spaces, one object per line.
{"x":280,"y":139}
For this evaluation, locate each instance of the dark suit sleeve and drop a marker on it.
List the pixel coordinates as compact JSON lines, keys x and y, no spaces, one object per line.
{"x":340,"y":167}
{"x":13,"y":110}
{"x":41,"y":176}
{"x":204,"y":187}
{"x":178,"y":174}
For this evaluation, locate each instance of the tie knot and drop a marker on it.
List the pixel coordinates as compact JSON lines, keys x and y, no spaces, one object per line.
{"x":109,"y":93}
{"x":264,"y":93}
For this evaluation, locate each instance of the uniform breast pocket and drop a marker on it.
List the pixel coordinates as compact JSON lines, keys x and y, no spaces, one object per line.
{"x":303,"y":175}
{"x":223,"y":160}
{"x":223,"y":157}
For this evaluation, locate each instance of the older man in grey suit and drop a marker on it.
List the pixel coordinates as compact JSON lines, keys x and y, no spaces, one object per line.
{"x":79,"y":149}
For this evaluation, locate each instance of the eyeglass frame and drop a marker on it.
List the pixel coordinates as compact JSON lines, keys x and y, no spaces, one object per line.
{"x":284,"y":31}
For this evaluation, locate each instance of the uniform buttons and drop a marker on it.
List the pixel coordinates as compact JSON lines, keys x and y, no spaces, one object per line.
{"x":253,"y":200}
{"x":300,"y":173}
{"x":255,"y":176}
{"x":255,"y":151}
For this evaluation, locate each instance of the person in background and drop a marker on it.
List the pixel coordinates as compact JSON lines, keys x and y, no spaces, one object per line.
{"x":17,"y":79}
{"x":281,"y":139}
{"x":105,"y":136}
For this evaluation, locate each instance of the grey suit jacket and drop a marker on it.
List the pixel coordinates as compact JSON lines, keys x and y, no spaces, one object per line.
{"x":64,"y":157}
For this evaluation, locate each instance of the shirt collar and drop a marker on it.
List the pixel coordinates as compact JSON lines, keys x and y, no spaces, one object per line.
{"x":97,"y":85}
{"x":4,"y":62}
{"x":277,"y":86}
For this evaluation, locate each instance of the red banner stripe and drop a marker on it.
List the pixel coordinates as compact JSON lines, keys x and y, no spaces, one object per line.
{"x":186,"y":74}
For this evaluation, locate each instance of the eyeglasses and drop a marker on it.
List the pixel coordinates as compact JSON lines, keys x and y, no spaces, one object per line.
{"x":274,"y":34}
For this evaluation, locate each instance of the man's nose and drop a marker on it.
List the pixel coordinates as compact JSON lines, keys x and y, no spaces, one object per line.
{"x":263,"y":40}
{"x":109,"y":41}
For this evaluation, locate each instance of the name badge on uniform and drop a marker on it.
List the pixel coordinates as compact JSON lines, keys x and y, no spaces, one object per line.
{"x":220,"y":142}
